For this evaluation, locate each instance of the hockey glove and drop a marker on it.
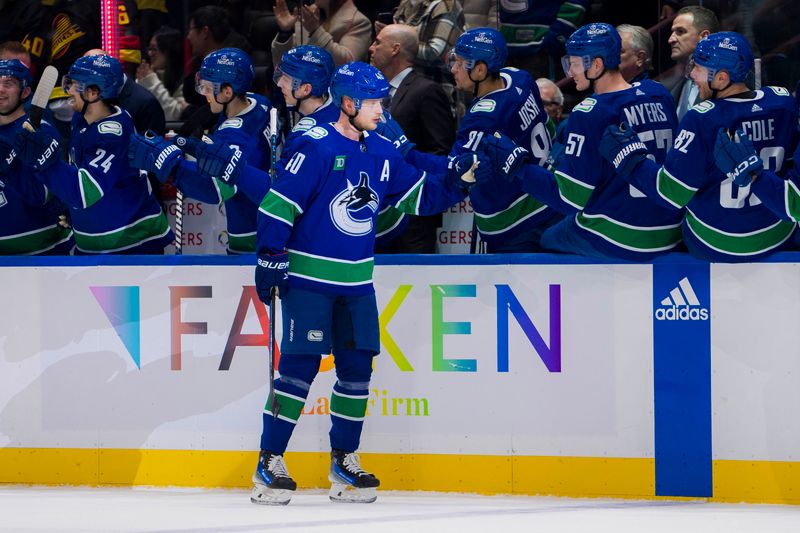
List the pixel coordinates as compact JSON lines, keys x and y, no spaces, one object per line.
{"x":8,"y":157}
{"x":215,"y":160}
{"x":390,"y":128}
{"x":272,"y":271}
{"x":737,"y":158}
{"x":621,"y":146}
{"x":153,"y":154}
{"x":461,"y":171}
{"x":555,"y":157}
{"x":36,"y":148}
{"x":504,"y":157}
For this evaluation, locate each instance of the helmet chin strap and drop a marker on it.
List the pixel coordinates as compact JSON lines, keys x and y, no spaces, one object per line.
{"x":224,"y":104}
{"x":476,"y":83}
{"x":715,"y":92}
{"x":86,"y":103}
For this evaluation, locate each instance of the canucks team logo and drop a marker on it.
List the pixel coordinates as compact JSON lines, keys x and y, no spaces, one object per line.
{"x":352,"y":210}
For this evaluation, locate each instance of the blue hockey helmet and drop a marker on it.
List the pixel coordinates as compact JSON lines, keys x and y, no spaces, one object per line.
{"x":14,"y":68}
{"x":481,"y":44}
{"x":725,"y":50}
{"x":101,"y":71}
{"x":360,"y":82}
{"x":307,"y":64}
{"x":594,"y":40}
{"x":225,"y":66}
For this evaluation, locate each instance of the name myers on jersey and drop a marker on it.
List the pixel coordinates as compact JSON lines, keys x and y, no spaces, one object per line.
{"x":643,"y":113}
{"x":528,"y":112}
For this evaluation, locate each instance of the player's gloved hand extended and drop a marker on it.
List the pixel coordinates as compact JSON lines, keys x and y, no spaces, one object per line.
{"x":555,"y":157}
{"x":504,"y":157}
{"x":737,"y":158}
{"x":390,"y":128}
{"x":461,"y":171}
{"x":8,"y":157}
{"x":272,"y":271}
{"x":154,"y":154}
{"x":621,"y":147}
{"x":215,"y":160}
{"x":36,"y":148}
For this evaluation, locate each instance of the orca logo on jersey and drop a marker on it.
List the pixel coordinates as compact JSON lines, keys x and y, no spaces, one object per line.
{"x":353,"y":209}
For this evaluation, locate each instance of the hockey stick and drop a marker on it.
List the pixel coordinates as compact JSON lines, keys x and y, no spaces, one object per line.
{"x":41,"y":96}
{"x":757,"y":73}
{"x":273,"y":293}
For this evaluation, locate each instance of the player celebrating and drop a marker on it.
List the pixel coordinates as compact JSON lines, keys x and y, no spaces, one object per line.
{"x":609,"y":218}
{"x":506,"y":100}
{"x":241,"y":136}
{"x":724,"y":221}
{"x":28,"y":221}
{"x":112,"y":207}
{"x":315,"y":245}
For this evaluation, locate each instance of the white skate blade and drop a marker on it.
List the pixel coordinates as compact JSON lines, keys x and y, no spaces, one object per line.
{"x":263,"y":495}
{"x":344,"y":493}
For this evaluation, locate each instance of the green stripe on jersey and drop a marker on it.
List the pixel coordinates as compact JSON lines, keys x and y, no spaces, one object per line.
{"x":741,"y":244}
{"x":34,"y":242}
{"x":572,"y":13}
{"x":226,"y":192}
{"x":388,"y":219}
{"x":278,"y":206}
{"x":792,"y":200}
{"x":574,"y":192}
{"x":143,"y":230}
{"x":351,"y":407}
{"x":289,"y":406}
{"x":520,"y":210}
{"x":91,"y":191}
{"x":635,"y":238}
{"x":329,"y":270}
{"x":410,"y":202}
{"x":244,"y":243}
{"x":672,"y":189}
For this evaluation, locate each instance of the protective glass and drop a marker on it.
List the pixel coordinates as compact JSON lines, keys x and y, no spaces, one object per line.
{"x":205,"y":87}
{"x":69,"y":84}
{"x":7,"y":81}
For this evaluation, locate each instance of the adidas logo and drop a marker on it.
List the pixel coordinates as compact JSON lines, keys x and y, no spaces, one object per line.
{"x":756,"y":108}
{"x":639,"y":92}
{"x":682,"y":304}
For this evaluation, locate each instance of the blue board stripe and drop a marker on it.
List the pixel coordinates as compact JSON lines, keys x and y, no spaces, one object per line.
{"x":682,"y":379}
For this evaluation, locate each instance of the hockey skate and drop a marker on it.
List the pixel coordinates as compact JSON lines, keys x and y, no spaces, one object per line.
{"x":272,"y":484}
{"x":350,"y":483}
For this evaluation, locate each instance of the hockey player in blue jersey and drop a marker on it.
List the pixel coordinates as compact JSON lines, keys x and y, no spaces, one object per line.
{"x":607,"y":217}
{"x":241,"y":137}
{"x":724,"y":221}
{"x":505,"y":100}
{"x":28,"y":216}
{"x":112,"y":207}
{"x":315,"y":245}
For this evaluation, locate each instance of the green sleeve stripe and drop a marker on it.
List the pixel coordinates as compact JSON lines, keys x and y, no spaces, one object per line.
{"x":388,"y":219}
{"x":280,"y":207}
{"x":224,"y":190}
{"x":792,"y":200}
{"x":91,"y":192}
{"x":409,"y":203}
{"x":673,"y":190}
{"x":571,"y":14}
{"x":574,"y":192}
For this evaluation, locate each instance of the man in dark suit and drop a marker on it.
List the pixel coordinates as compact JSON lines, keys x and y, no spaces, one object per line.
{"x":422,"y":109}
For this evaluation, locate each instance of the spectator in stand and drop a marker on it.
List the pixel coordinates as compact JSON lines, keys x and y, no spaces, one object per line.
{"x":422,"y":109}
{"x":553,"y":101}
{"x":161,"y":74}
{"x":480,"y":14}
{"x":637,"y":53}
{"x":536,"y":34}
{"x":333,"y":25}
{"x":208,"y":29}
{"x":692,"y":24}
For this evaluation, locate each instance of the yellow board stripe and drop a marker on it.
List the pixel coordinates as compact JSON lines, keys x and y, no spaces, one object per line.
{"x":734,"y":481}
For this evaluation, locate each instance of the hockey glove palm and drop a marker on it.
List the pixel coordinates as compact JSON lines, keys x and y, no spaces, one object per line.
{"x":504,"y":157}
{"x":36,"y":148}
{"x":621,"y":147}
{"x":737,"y":158}
{"x":8,"y":157}
{"x":272,"y":271}
{"x":215,"y":160}
{"x":461,"y":171}
{"x":390,"y":128}
{"x":153,"y":154}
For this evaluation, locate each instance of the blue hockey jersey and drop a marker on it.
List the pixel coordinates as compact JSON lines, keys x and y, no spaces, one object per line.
{"x":502,"y":210}
{"x":529,"y":25}
{"x":112,"y":206}
{"x":248,"y":131}
{"x":28,"y":214}
{"x":617,"y":219}
{"x":725,"y":222}
{"x":323,"y":207}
